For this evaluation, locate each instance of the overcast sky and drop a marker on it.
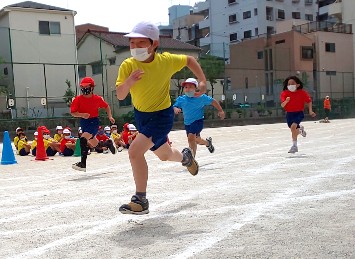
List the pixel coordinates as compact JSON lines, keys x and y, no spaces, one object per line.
{"x":118,"y":15}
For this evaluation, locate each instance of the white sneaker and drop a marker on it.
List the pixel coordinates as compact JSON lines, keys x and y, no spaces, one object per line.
{"x":302,"y":131}
{"x":293,"y":149}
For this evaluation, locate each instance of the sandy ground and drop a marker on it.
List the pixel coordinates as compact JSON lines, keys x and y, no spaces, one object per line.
{"x":251,"y":199}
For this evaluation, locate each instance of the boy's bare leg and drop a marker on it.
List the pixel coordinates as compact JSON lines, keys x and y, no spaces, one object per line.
{"x":201,"y":141}
{"x":191,"y":138}
{"x":294,"y":131}
{"x":139,"y":165}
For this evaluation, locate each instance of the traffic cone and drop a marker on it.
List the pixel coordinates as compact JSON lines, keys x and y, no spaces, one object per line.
{"x":77,"y":151}
{"x":8,"y":156}
{"x":40,"y":150}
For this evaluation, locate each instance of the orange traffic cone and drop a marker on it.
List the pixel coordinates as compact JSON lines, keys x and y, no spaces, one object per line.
{"x":40,"y":150}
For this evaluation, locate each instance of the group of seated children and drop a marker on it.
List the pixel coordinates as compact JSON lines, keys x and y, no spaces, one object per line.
{"x":64,"y":143}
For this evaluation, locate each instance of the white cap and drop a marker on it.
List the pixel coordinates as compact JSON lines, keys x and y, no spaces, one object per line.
{"x":107,"y":128}
{"x":36,"y":133}
{"x":144,"y":30}
{"x":66,"y":131}
{"x":80,"y":130}
{"x":114,"y":126}
{"x":191,"y":81}
{"x":18,"y":128}
{"x":131,"y":127}
{"x":59,"y":128}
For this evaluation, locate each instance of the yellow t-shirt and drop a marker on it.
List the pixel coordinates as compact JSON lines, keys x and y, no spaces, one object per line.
{"x":152,"y":92}
{"x":58,"y":137}
{"x":33,"y":144}
{"x":16,"y":139}
{"x":46,"y":142}
{"x":115,"y":135}
{"x":21,"y":144}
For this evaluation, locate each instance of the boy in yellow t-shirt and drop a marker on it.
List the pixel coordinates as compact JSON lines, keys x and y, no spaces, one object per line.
{"x":34,"y":144}
{"x":22,"y":145}
{"x":58,"y":136}
{"x":146,"y":76}
{"x":117,"y":138}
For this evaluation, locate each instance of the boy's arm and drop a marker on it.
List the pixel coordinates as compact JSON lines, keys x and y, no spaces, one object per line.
{"x":80,"y":115}
{"x":122,"y":90}
{"x":283,"y":104}
{"x":310,"y":110}
{"x":195,"y":67}
{"x":109,"y":114}
{"x":219,"y":108}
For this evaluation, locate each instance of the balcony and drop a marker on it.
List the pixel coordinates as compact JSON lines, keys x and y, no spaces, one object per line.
{"x":333,"y":9}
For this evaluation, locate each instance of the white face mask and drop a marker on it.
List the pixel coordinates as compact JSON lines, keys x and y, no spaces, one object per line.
{"x":292,"y":88}
{"x":23,"y":139}
{"x":67,"y":137}
{"x":190,"y":94}
{"x":140,"y":54}
{"x":46,"y":136}
{"x":114,"y":131}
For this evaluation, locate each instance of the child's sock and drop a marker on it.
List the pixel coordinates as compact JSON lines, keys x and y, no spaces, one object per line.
{"x":294,"y":143}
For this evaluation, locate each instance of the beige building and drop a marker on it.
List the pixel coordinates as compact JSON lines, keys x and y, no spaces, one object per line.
{"x":323,"y":59}
{"x":38,"y":47}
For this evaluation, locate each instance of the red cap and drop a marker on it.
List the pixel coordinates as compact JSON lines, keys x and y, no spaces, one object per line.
{"x":87,"y":81}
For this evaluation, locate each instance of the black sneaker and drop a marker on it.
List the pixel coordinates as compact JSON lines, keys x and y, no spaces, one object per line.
{"x":79,"y":166}
{"x":210,"y":147}
{"x":112,"y":148}
{"x":190,"y":161}
{"x":137,"y":206}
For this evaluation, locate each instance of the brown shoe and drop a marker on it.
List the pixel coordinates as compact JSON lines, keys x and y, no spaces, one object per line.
{"x":190,"y":162}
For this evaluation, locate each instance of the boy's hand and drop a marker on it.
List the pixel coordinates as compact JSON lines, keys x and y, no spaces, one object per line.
{"x":177,"y":110}
{"x":135,"y":76}
{"x":85,"y":115}
{"x":221,"y":115}
{"x":112,"y":120}
{"x":288,"y":99}
{"x":313,"y":114}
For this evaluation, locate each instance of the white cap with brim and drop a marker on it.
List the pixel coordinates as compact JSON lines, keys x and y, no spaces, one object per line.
{"x":66,"y":131}
{"x":144,"y":30}
{"x":132,"y":127}
{"x":191,"y":81}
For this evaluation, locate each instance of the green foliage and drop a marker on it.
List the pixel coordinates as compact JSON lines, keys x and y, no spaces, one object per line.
{"x":69,"y":93}
{"x":180,"y":76}
{"x":213,"y":67}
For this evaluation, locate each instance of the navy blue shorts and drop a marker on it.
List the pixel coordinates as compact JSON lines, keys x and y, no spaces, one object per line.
{"x":23,"y":152}
{"x":155,"y":124}
{"x":195,"y":127}
{"x":50,"y":151}
{"x":68,"y":152}
{"x":90,"y":125}
{"x":34,"y":151}
{"x":294,"y":117}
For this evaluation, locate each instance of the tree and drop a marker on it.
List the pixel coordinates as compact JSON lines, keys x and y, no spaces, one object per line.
{"x":69,"y":93}
{"x":213,"y":67}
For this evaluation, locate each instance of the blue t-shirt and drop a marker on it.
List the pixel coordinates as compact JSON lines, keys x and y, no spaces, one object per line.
{"x":192,"y":107}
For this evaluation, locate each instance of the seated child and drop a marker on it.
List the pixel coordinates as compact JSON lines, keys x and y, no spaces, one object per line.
{"x":50,"y":145}
{"x":117,"y":139}
{"x":22,"y":144}
{"x":34,"y":144}
{"x":16,"y":138}
{"x":58,"y":136}
{"x":105,"y":142}
{"x":67,"y":145}
{"x":133,"y":132}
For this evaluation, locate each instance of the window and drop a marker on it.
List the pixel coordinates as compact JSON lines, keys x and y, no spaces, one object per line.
{"x":232,"y":18}
{"x":82,"y":71}
{"x":247,"y":34}
{"x":256,"y":31}
{"x":126,"y":102}
{"x":309,"y":17}
{"x":296,"y":15}
{"x":246,"y":15}
{"x":306,"y":52}
{"x":96,"y":68}
{"x":255,"y":11}
{"x":112,"y":61}
{"x":331,"y":73}
{"x":49,"y":28}
{"x":260,"y":54}
{"x":233,"y":37}
{"x":280,"y":14}
{"x":279,"y":42}
{"x":329,"y":47}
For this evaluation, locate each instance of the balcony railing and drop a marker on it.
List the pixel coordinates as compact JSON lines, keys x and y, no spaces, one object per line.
{"x":324,"y":26}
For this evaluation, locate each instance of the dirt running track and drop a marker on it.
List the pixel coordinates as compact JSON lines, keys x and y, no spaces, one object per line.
{"x":251,"y":199}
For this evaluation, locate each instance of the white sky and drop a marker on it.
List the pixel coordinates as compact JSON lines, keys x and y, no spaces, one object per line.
{"x":118,"y":15}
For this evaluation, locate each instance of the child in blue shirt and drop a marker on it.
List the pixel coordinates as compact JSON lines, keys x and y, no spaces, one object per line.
{"x":192,"y":107}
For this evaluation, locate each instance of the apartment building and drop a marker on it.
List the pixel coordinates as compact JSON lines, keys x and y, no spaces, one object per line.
{"x":231,"y":21}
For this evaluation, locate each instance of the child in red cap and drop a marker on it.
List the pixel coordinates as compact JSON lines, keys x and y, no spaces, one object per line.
{"x":86,"y":107}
